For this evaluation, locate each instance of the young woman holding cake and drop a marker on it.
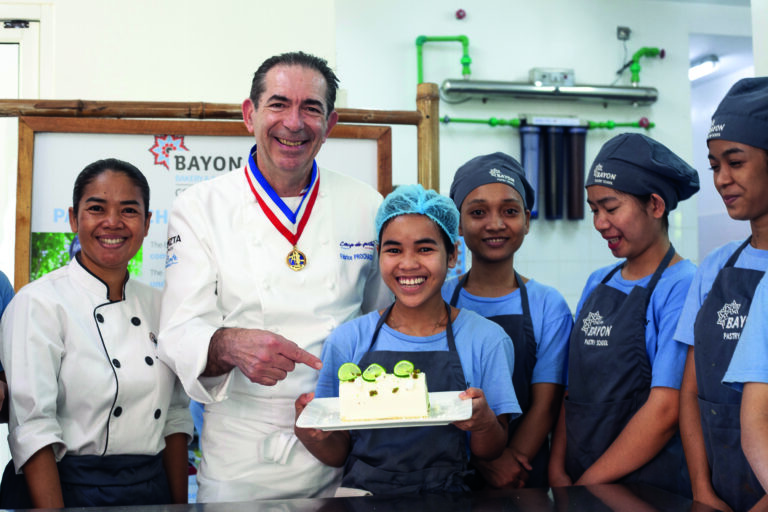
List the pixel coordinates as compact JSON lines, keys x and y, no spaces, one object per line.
{"x":719,"y":305}
{"x":457,"y":350}
{"x":620,"y":420}
{"x":495,"y":199}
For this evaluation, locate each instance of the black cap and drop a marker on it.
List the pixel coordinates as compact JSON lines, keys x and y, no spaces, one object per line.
{"x":742,"y":116}
{"x":494,"y":168}
{"x":639,"y":165}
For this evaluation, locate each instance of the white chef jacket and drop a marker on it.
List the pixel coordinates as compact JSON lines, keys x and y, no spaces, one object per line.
{"x":84,"y":371}
{"x":226,"y":267}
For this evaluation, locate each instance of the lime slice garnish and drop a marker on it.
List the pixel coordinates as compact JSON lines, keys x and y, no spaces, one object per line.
{"x":373,"y":371}
{"x":348,"y":371}
{"x":403,"y":368}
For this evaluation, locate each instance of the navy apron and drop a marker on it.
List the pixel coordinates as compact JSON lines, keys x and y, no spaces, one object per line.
{"x":716,"y":332}
{"x":414,"y":459}
{"x":610,"y":379}
{"x":97,"y":481}
{"x":520,"y":329}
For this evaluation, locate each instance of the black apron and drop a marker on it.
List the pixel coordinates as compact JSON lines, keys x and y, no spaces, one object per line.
{"x":97,"y":481}
{"x":520,"y":329}
{"x":716,"y":332}
{"x":414,"y":459}
{"x":610,"y":379}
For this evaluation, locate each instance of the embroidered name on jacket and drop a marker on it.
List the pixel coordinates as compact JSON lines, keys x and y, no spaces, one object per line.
{"x":731,"y":321}
{"x":595,"y":331}
{"x":351,"y":251}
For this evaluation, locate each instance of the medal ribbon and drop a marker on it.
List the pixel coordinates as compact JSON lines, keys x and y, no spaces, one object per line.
{"x":290,"y":217}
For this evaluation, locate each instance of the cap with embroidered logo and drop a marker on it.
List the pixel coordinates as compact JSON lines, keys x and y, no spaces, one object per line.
{"x":494,"y":168}
{"x":640,"y":165}
{"x":742,"y":115}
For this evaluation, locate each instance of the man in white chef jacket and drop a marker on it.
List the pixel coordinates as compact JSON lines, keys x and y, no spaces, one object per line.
{"x":262,"y":265}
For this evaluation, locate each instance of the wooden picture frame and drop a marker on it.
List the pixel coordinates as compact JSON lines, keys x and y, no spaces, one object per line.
{"x":29,"y":126}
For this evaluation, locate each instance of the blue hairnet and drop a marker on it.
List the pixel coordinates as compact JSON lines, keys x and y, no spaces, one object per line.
{"x":413,"y":199}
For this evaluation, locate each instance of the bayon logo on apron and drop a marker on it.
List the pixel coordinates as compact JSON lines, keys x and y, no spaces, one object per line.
{"x":593,"y":329}
{"x":729,"y":319}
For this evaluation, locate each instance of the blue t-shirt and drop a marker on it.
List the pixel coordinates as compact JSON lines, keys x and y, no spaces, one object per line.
{"x":552,"y":323}
{"x":482,"y":345}
{"x":750,"y":258}
{"x":666,"y":356}
{"x":750,"y":359}
{"x":6,"y":294}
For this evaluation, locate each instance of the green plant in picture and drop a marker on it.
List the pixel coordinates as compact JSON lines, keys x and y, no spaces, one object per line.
{"x":49,"y":251}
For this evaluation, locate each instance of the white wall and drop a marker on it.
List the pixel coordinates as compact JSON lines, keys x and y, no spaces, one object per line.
{"x":507,"y":38}
{"x":760,"y":36}
{"x":169,"y":50}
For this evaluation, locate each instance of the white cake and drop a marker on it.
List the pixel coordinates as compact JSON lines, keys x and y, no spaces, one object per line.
{"x":387,"y":397}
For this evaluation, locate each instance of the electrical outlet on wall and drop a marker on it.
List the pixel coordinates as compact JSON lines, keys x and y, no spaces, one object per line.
{"x":622,"y":33}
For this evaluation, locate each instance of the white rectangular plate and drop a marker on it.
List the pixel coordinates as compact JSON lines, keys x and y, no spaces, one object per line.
{"x":444,"y":407}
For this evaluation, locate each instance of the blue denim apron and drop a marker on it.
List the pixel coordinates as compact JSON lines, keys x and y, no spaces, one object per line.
{"x":413,"y":459}
{"x":716,"y":332}
{"x":609,"y":379}
{"x":520,"y":329}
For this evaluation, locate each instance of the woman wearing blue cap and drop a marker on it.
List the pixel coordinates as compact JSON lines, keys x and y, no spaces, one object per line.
{"x":718,"y":305}
{"x":624,"y":368}
{"x":458,"y":350}
{"x":495,"y":200}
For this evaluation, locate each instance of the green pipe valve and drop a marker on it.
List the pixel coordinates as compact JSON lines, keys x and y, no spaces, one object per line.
{"x":643,"y":122}
{"x":645,"y":51}
{"x":466,"y":60}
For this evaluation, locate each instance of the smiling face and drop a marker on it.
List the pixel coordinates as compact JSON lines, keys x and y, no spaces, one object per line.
{"x":110,"y":224}
{"x":290,"y":122}
{"x":414,"y":260}
{"x":630,"y":227}
{"x":740,"y":173}
{"x":494,"y":222}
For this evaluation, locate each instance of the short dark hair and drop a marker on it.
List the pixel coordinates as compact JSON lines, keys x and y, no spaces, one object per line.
{"x":93,"y":170}
{"x":296,"y":59}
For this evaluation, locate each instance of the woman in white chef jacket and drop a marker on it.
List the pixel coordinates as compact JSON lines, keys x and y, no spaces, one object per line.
{"x":96,"y":418}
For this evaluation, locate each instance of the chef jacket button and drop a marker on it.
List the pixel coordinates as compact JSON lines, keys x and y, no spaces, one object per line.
{"x":116,"y":363}
{"x":266,"y":287}
{"x":118,"y":411}
{"x":157,"y":414}
{"x":99,"y":318}
{"x":149,"y":361}
{"x":135,"y":321}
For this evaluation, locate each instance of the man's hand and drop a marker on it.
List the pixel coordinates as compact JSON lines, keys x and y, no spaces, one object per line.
{"x":264,"y":357}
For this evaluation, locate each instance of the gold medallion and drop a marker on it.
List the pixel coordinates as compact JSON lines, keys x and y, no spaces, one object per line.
{"x":296,"y":259}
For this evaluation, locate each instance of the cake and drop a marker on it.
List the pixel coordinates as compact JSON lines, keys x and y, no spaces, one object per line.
{"x":377,"y":395}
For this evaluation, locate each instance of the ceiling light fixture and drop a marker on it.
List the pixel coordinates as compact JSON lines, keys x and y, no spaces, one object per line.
{"x":702,"y":66}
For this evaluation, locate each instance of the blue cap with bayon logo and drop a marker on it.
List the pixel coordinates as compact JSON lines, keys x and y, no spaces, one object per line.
{"x":494,"y":168}
{"x":639,"y":165}
{"x":742,"y":116}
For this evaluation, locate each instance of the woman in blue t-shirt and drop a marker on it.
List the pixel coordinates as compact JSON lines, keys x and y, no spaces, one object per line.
{"x":495,"y":200}
{"x":457,"y":350}
{"x":718,"y":305}
{"x":624,"y":369}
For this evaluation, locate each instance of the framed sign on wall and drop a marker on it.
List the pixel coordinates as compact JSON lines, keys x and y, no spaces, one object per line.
{"x":173,"y":155}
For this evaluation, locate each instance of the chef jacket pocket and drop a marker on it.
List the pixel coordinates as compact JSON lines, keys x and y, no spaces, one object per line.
{"x":277,"y":446}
